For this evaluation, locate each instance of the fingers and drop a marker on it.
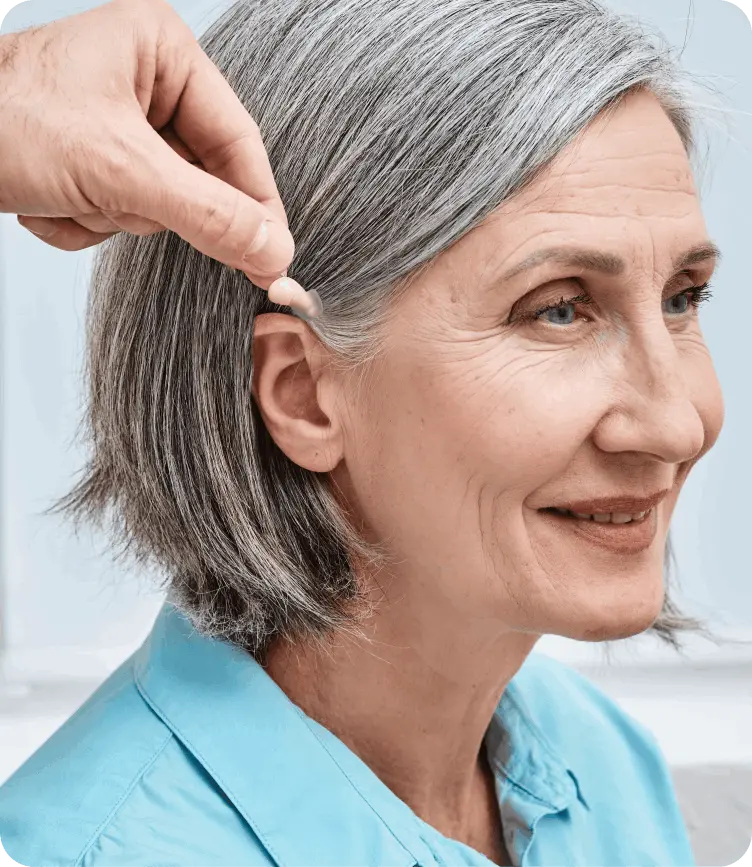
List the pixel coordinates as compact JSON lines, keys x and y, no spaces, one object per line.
{"x":63,"y":233}
{"x":116,"y":222}
{"x":205,"y":175}
{"x":70,"y":235}
{"x":215,"y":126}
{"x":171,"y":138}
{"x":181,"y":149}
{"x":98,"y":225}
{"x":211,"y":215}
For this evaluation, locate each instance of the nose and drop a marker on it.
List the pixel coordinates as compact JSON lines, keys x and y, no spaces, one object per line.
{"x":654,"y":413}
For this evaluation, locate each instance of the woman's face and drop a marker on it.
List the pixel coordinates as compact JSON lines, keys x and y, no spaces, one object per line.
{"x":501,"y":397}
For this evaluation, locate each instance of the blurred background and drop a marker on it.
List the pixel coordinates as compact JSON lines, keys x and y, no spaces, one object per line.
{"x":69,"y":614}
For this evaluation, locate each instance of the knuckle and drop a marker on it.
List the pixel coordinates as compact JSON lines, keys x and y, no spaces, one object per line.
{"x":218,"y":158}
{"x":109,"y":170}
{"x":221,"y":227}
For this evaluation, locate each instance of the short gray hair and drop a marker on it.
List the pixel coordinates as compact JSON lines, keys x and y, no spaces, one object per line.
{"x":393,"y":128}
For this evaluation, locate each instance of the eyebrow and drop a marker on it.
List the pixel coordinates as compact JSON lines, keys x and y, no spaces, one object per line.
{"x":606,"y":263}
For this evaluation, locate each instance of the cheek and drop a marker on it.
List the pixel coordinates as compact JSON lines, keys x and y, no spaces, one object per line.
{"x":509,"y":419}
{"x":535,"y":411}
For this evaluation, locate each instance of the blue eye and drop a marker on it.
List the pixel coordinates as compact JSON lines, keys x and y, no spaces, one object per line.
{"x":562,"y":314}
{"x":687,"y":300}
{"x":677,"y":305}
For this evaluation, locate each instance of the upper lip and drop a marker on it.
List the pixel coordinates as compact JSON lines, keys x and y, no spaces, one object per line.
{"x":624,"y":504}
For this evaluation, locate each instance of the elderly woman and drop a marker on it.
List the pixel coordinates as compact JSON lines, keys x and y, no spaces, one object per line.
{"x":369,"y":518}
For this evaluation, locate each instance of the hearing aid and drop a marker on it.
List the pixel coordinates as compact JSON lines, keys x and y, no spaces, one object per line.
{"x":287,"y":292}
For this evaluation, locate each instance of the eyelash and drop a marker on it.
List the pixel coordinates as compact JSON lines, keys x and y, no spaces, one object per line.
{"x":697,"y":295}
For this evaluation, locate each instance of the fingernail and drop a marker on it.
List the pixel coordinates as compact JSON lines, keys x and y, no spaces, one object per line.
{"x":45,"y":231}
{"x":262,"y":236}
{"x":273,"y":253}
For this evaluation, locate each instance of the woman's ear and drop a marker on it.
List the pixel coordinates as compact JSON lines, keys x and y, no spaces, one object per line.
{"x":294,"y":390}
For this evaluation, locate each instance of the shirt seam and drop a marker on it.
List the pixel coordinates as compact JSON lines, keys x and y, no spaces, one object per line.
{"x":355,"y":787}
{"x":123,"y":798}
{"x":530,"y":794}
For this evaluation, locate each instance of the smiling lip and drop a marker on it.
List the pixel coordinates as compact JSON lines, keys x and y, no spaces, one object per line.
{"x":621,"y":538}
{"x":607,"y":505}
{"x":631,"y":538}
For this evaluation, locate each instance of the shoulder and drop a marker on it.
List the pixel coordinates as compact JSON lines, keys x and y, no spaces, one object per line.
{"x":599,"y":740}
{"x":112,"y":786}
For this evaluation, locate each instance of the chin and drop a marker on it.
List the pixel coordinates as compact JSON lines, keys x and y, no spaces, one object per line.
{"x":621,"y":622}
{"x":616,"y":631}
{"x":611,"y":619}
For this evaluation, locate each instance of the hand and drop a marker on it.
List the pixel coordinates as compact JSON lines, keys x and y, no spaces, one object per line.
{"x":115,"y":120}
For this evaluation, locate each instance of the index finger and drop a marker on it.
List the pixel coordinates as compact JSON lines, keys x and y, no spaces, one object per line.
{"x":215,"y":125}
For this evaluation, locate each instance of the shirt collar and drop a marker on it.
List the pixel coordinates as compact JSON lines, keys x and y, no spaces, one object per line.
{"x":296,"y":784}
{"x":272,"y":760}
{"x":520,"y":751}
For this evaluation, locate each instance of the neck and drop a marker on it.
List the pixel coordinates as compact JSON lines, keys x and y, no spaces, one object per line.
{"x":413,"y":701}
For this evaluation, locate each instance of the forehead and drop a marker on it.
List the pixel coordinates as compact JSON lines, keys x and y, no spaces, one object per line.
{"x":633,"y":152}
{"x":625,"y":182}
{"x":624,"y":187}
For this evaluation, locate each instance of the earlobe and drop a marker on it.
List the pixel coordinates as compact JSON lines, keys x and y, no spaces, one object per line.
{"x":292,"y":385}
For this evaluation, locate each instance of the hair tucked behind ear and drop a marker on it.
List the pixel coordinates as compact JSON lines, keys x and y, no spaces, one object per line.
{"x":393,"y":128}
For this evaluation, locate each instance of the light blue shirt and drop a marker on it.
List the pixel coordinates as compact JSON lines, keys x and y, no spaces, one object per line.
{"x":190,"y":754}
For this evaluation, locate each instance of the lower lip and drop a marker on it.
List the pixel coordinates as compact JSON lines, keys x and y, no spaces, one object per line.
{"x":628,"y":538}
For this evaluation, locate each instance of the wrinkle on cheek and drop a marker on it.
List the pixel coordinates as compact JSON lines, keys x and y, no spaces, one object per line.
{"x":511,"y":418}
{"x":692,"y":342}
{"x":491,"y":391}
{"x":565,"y":394}
{"x":500,"y":565}
{"x":514,"y":565}
{"x":455,"y":370}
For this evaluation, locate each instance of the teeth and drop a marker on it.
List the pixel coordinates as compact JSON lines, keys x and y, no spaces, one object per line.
{"x":605,"y":518}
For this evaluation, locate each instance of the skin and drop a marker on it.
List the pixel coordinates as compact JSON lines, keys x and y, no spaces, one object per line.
{"x":469,"y":425}
{"x":127,"y":125}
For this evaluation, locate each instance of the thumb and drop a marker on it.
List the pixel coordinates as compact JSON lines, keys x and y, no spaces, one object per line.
{"x":210,"y":214}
